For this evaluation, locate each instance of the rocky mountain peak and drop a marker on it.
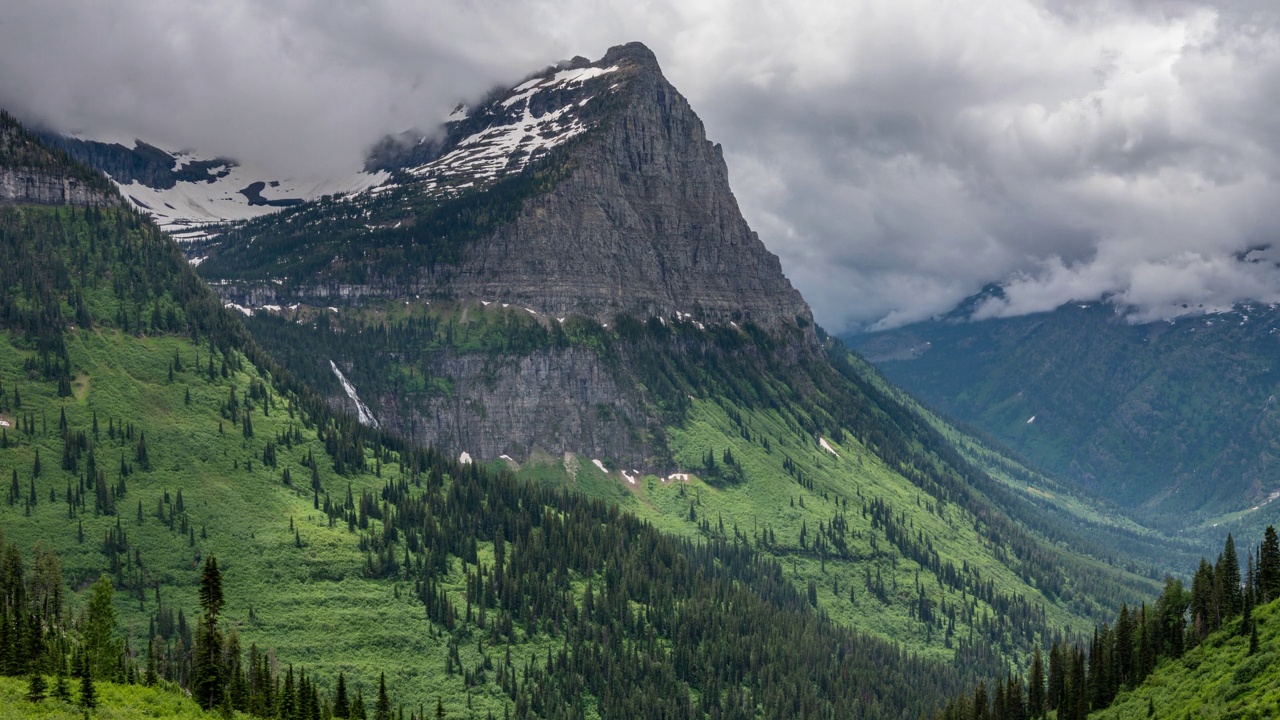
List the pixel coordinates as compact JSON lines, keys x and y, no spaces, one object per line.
{"x":616,"y":202}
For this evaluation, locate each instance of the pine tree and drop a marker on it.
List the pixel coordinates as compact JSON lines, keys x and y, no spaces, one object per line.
{"x":382,"y":710}
{"x":208,"y":674}
{"x":1035,"y":688}
{"x":341,"y":705}
{"x":1229,"y":578}
{"x":88,"y":695}
{"x":36,"y":687}
{"x":440,"y":714}
{"x":1269,"y":567}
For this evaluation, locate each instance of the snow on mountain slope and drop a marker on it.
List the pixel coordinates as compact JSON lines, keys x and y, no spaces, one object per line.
{"x":187,"y":209}
{"x":510,"y":129}
{"x":187,"y":193}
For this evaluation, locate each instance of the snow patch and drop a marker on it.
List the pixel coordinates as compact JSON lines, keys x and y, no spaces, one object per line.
{"x":241,"y":308}
{"x":600,"y":465}
{"x":1031,"y":419}
{"x":827,"y":446}
{"x":464,"y":458}
{"x":631,"y":478}
{"x":682,"y":477}
{"x":362,"y":411}
{"x":189,"y":210}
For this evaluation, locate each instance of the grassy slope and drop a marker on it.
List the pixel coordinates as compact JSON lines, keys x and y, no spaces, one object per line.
{"x":1119,"y":539}
{"x":311,"y":603}
{"x":115,"y":702}
{"x":1218,"y":679}
{"x":771,"y":498}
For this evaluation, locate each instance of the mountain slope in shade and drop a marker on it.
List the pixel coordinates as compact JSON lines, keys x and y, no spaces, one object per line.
{"x":1177,"y":419}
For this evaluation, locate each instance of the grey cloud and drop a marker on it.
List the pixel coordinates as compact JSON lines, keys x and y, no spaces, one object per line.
{"x":897,"y":155}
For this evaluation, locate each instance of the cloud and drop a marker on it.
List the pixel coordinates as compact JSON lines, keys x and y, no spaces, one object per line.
{"x":897,"y":155}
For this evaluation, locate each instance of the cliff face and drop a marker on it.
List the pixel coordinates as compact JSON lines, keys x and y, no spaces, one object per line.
{"x":644,"y":225}
{"x":28,"y":185}
{"x":559,"y":400}
{"x":30,"y":172}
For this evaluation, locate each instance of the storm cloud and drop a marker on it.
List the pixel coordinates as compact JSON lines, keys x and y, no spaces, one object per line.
{"x":897,"y":155}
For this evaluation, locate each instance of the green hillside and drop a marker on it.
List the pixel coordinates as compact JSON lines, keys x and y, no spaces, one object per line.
{"x":115,"y":702}
{"x":147,"y":432}
{"x":887,"y":527}
{"x":1221,"y":678}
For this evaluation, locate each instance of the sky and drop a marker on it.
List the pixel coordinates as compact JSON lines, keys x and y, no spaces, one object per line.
{"x":897,"y":155}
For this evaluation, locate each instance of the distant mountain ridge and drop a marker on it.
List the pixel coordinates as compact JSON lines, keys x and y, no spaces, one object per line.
{"x":1177,"y":418}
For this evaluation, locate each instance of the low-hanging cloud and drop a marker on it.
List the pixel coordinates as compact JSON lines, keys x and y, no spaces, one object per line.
{"x":898,"y":155}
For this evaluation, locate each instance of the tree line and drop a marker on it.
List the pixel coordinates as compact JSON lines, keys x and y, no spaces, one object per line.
{"x":1087,"y":676}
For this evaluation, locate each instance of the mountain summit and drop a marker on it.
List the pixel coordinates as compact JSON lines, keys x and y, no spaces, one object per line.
{"x":588,"y":189}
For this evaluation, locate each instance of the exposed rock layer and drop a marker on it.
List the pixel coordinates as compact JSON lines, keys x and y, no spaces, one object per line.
{"x":24,"y":185}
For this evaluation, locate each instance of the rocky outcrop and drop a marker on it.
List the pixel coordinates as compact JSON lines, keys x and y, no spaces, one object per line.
{"x":26,"y":185}
{"x":645,"y":225}
{"x":558,"y":400}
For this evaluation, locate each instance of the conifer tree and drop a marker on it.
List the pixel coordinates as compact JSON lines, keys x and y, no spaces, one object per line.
{"x":207,"y":673}
{"x":1035,"y":688}
{"x":88,"y":694}
{"x":1269,"y":567}
{"x":341,"y":705}
{"x":36,"y":687}
{"x":1229,"y":578}
{"x":382,"y":710}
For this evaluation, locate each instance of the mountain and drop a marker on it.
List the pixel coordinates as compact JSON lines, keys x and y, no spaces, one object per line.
{"x":587,"y":192}
{"x":511,"y":298}
{"x":589,"y":189}
{"x":192,"y":197}
{"x":146,"y":432}
{"x":1175,"y":420}
{"x":706,"y":506}
{"x":31,"y":172}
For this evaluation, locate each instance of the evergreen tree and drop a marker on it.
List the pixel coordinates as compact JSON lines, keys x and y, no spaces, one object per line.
{"x":1035,"y":688}
{"x":208,"y":675}
{"x":88,"y":694}
{"x":36,"y":687}
{"x":101,"y":649}
{"x":382,"y":710}
{"x":1269,"y":567}
{"x":341,"y":705}
{"x":1229,"y":578}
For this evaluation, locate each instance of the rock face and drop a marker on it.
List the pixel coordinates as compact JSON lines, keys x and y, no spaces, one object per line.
{"x":32,"y":173}
{"x":27,"y":185}
{"x":645,"y":225}
{"x":558,"y":400}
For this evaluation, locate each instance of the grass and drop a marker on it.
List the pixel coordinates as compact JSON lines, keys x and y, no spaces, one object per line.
{"x":115,"y":702}
{"x":771,"y":499}
{"x":1217,"y":679}
{"x":311,"y":604}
